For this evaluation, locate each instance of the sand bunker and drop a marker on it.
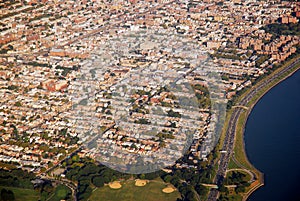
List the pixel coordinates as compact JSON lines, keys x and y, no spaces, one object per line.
{"x":115,"y":185}
{"x":140,"y":182}
{"x":168,"y":189}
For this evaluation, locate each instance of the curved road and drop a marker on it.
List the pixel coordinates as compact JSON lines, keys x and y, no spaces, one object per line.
{"x":228,"y":144}
{"x":69,"y":184}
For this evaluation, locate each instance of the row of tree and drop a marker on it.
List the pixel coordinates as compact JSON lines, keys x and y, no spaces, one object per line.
{"x":283,"y":29}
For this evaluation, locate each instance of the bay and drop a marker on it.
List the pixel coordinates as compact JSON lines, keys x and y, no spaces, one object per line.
{"x":272,"y":141}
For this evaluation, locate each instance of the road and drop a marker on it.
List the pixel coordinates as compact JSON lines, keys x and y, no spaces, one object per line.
{"x":65,"y":182}
{"x":244,"y":170}
{"x":228,"y":144}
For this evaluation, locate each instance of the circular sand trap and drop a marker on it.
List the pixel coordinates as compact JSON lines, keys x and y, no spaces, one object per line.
{"x":140,"y":182}
{"x":168,"y":189}
{"x":115,"y":185}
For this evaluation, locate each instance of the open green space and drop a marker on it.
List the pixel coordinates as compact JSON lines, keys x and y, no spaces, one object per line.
{"x":232,"y":164}
{"x":231,"y":197}
{"x":239,"y":154}
{"x":237,"y":176}
{"x":128,"y":192}
{"x":61,"y":193}
{"x":22,"y":194}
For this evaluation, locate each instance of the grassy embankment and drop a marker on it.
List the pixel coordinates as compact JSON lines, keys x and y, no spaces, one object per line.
{"x":240,"y":159}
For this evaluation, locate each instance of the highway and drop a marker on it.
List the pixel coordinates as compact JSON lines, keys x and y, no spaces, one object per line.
{"x":228,"y":144}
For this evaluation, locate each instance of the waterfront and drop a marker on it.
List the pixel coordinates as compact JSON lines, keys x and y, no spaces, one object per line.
{"x":272,"y":140}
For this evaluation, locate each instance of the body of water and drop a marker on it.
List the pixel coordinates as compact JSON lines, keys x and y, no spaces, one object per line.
{"x":272,"y":140}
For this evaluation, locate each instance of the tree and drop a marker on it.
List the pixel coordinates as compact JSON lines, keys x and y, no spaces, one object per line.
{"x":175,"y":181}
{"x":223,"y":198}
{"x":151,"y":175}
{"x":75,"y":158}
{"x":201,"y":190}
{"x":10,"y":47}
{"x":18,"y":104}
{"x":167,"y":178}
{"x":172,"y":113}
{"x":62,"y":193}
{"x":225,"y":77}
{"x":222,"y":188}
{"x":7,"y":195}
{"x":98,"y":181}
{"x":190,"y":196}
{"x":240,"y":189}
{"x":85,"y":194}
{"x":142,"y":176}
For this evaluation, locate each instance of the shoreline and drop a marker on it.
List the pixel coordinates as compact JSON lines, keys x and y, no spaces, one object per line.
{"x":247,"y":115}
{"x":243,"y":118}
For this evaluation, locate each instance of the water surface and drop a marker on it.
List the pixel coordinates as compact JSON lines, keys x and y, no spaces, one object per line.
{"x":272,"y":140}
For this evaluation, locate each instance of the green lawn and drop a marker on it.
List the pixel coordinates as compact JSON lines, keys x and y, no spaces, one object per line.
{"x":233,"y":197}
{"x":22,"y":194}
{"x":61,"y":193}
{"x":247,"y":178}
{"x":129,"y":192}
{"x":239,"y":149}
{"x":232,"y":165}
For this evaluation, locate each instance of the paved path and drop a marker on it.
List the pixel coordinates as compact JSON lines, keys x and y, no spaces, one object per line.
{"x":65,"y":182}
{"x":243,"y":170}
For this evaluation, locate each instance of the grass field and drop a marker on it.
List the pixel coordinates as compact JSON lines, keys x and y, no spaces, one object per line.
{"x":232,"y":165}
{"x":61,"y":192}
{"x":22,"y":194}
{"x":152,"y":191}
{"x":247,"y":178}
{"x":239,"y":148}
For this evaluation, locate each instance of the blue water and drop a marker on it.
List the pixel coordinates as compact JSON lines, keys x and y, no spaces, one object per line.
{"x":272,"y":140}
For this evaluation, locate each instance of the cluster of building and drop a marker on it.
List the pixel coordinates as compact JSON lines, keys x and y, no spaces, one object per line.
{"x":139,"y":110}
{"x":32,"y":118}
{"x":46,"y":45}
{"x":278,"y":50}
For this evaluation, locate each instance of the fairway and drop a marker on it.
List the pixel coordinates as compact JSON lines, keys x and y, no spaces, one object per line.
{"x":22,"y":194}
{"x":152,"y":191}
